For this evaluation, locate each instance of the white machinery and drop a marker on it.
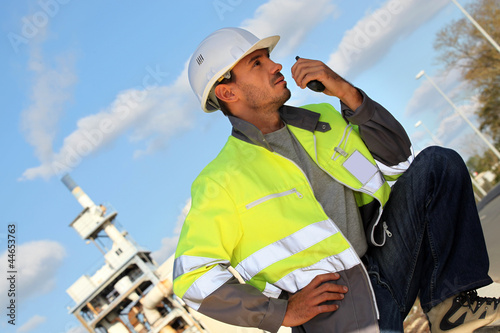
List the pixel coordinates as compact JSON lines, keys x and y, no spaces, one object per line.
{"x":126,"y":294}
{"x":129,"y":293}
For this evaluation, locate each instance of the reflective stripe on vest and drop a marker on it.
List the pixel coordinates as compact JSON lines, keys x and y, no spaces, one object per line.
{"x":301,"y":277}
{"x":205,"y":285}
{"x":396,"y":170}
{"x":184,"y":264}
{"x":286,"y":247}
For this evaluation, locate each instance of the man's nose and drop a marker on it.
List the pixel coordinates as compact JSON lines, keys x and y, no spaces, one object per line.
{"x":275,"y":68}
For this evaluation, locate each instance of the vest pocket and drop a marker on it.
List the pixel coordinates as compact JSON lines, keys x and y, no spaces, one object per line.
{"x":273,"y":196}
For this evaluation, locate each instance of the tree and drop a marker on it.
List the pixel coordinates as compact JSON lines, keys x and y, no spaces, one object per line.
{"x":480,"y":159}
{"x":486,"y":162}
{"x":480,"y":163}
{"x":461,"y":45}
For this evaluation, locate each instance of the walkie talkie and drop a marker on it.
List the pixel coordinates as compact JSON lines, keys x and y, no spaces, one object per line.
{"x":314,"y":85}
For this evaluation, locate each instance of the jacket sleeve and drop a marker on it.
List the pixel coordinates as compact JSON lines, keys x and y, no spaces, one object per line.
{"x":244,"y":305}
{"x":201,"y":276}
{"x":384,"y":136}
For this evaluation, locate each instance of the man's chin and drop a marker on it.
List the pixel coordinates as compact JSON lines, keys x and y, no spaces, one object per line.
{"x":279,"y":101}
{"x":286,"y":96}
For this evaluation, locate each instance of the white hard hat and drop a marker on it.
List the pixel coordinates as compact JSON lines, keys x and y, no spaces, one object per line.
{"x":216,"y":56}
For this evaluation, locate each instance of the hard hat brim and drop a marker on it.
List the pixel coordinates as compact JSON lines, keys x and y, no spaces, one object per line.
{"x":265,"y":43}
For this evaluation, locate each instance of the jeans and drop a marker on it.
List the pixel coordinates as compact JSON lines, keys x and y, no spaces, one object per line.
{"x":436,"y":248}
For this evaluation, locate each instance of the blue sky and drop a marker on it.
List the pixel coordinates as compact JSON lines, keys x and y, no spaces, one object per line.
{"x":99,"y":90}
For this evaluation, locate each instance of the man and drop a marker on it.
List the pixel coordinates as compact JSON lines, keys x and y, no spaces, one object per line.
{"x":298,"y":196}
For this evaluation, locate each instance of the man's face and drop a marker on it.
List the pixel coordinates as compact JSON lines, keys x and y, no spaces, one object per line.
{"x":259,"y":82}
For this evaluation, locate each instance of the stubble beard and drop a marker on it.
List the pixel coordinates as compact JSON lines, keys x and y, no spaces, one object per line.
{"x":259,"y":99}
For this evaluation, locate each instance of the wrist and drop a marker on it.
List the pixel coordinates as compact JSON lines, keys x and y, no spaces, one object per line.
{"x":351,"y":96}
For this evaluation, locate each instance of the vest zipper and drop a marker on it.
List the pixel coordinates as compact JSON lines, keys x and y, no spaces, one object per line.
{"x":272,"y":196}
{"x":372,"y":238}
{"x":386,"y":229}
{"x":298,"y":167}
{"x":350,"y":245}
{"x":366,"y":275}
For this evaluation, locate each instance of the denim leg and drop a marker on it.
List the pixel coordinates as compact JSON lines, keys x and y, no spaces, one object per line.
{"x":437,"y":247}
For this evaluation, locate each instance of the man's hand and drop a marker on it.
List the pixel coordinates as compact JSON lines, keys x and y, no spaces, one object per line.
{"x":306,"y":70}
{"x":309,"y":302}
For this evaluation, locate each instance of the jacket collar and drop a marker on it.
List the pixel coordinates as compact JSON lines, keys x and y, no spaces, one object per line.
{"x":297,"y":117}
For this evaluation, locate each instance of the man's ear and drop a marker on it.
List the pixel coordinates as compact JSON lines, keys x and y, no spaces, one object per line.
{"x":225,"y":93}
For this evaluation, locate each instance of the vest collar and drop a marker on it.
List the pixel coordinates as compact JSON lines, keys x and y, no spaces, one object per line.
{"x":297,"y":117}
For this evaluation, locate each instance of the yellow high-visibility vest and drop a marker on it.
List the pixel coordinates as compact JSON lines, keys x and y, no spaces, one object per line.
{"x":255,"y":210}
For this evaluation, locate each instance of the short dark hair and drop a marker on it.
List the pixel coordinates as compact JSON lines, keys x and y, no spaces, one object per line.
{"x":223,"y":105}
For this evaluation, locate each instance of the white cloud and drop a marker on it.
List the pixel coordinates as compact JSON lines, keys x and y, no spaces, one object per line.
{"x":174,"y":112}
{"x":427,"y":98}
{"x":452,"y":126}
{"x":418,"y":135}
{"x":373,"y":36}
{"x":50,"y":91}
{"x":32,"y":324}
{"x":37,"y":263}
{"x":153,"y":110}
{"x":454,"y":132}
{"x":291,"y":19}
{"x":168,"y":244}
{"x":452,"y":129}
{"x":182,"y":217}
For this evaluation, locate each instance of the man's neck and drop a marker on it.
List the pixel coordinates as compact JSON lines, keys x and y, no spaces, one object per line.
{"x":271,"y":126}
{"x":266,"y":121}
